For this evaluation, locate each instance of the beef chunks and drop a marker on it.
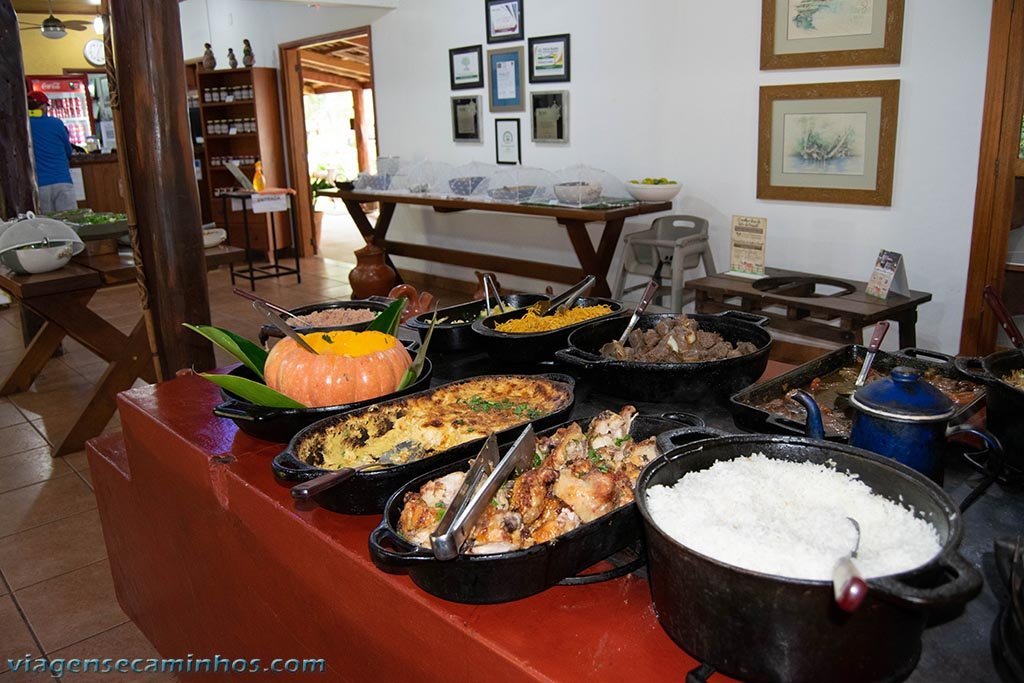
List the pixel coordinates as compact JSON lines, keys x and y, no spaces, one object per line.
{"x":675,"y":340}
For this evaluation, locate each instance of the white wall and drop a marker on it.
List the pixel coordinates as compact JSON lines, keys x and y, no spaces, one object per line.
{"x":670,"y":88}
{"x":225,"y":23}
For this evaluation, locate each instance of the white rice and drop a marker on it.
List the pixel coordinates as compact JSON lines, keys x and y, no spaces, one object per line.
{"x":790,"y":519}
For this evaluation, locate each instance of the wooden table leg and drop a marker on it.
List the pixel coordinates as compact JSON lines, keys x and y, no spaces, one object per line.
{"x":377,"y":233}
{"x":908,"y":328}
{"x":595,"y":262}
{"x":37,"y":355}
{"x":130,"y":363}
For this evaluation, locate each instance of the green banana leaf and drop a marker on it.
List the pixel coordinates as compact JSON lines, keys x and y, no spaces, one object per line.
{"x":387,"y":321}
{"x":413,"y":373}
{"x":253,"y":392}
{"x":252,"y":356}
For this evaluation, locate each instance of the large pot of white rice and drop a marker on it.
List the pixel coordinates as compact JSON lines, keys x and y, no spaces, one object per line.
{"x":741,"y":532}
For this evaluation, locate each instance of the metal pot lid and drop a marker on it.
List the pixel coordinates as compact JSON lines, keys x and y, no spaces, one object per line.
{"x":904,"y":396}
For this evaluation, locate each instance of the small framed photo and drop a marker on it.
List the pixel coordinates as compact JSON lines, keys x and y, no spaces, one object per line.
{"x":828,"y":142}
{"x":466,"y":118}
{"x":504,"y":20}
{"x":549,"y":59}
{"x":505,"y":79}
{"x":466,"y":67}
{"x":507,"y":147}
{"x":550,"y":116}
{"x":811,"y":35}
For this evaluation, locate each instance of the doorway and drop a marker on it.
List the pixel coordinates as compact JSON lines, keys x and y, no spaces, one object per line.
{"x":331,"y":132}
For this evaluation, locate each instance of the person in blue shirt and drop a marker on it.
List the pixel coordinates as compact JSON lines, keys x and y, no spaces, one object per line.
{"x":52,"y":150}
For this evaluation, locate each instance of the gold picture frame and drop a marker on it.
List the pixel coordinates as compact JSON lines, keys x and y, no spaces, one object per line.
{"x":795,"y":35}
{"x":828,"y":142}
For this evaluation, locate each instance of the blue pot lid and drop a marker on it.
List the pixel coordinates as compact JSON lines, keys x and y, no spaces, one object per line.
{"x":904,"y":396}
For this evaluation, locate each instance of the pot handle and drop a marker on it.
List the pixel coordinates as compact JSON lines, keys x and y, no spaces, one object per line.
{"x":232,"y":410}
{"x":759,"y":320}
{"x":964,"y":584}
{"x":685,"y":419}
{"x":613,"y":573}
{"x":914,"y":353}
{"x":674,"y":438}
{"x":786,"y":425}
{"x":993,"y":468}
{"x":569,"y":357}
{"x":972,"y":367}
{"x":391,"y":552}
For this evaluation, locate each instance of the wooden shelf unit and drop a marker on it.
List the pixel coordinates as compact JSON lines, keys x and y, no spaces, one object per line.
{"x":266,"y":144}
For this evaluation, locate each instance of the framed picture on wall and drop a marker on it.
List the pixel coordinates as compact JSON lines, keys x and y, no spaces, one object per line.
{"x":466,"y":118}
{"x":549,"y":59}
{"x":800,"y":34}
{"x":549,"y":116}
{"x":505,"y":79}
{"x":504,"y":20}
{"x":507,"y":147}
{"x":466,"y":67}
{"x":828,"y":142}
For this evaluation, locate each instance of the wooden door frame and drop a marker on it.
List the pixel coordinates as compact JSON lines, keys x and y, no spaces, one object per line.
{"x":993,"y":201}
{"x":295,"y":124}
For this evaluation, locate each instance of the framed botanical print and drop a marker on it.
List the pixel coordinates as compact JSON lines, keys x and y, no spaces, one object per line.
{"x":466,"y":118}
{"x":505,"y":79}
{"x":799,"y":34}
{"x":504,"y":20}
{"x":549,"y":116}
{"x":549,"y":59}
{"x":828,"y":142}
{"x":507,"y":147}
{"x":466,"y":67}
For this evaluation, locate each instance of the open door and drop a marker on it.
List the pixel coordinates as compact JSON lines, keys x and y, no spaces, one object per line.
{"x":327,"y":81}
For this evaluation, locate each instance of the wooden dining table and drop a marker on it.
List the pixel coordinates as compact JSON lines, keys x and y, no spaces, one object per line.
{"x":61,"y":298}
{"x":592,"y":261}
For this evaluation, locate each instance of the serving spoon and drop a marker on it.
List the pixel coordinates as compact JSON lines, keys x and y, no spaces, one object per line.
{"x":995,"y":302}
{"x":641,"y":306}
{"x":284,"y":327}
{"x":310,"y":488}
{"x":843,"y":392}
{"x":848,"y":585}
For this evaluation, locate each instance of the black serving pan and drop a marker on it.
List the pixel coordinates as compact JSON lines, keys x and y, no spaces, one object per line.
{"x":376,"y":303}
{"x":502,"y":577}
{"x":366,"y":492}
{"x":533,"y":347}
{"x":748,"y":415}
{"x":671,"y":382}
{"x":281,"y":424}
{"x":1005,"y":402}
{"x":460,"y":337}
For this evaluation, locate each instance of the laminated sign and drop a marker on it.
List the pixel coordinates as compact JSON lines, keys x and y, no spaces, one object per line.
{"x":889,"y":275}
{"x":746,"y":254}
{"x":269,"y":203}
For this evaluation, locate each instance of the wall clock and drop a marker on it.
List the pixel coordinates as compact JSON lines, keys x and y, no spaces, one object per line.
{"x":94,"y":53}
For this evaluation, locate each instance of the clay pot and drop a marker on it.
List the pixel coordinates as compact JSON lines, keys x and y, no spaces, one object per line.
{"x":371,"y":276}
{"x":418,"y":302}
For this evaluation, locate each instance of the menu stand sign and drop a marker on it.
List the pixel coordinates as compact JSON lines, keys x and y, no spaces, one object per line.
{"x":889,"y":275}
{"x":746,"y":253}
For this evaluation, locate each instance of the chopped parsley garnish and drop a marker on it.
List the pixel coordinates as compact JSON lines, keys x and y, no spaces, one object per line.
{"x":482,"y":405}
{"x":327,"y":338}
{"x":494,"y":502}
{"x":599,"y":464}
{"x":538,"y":458}
{"x":622,"y":440}
{"x":441,"y":508}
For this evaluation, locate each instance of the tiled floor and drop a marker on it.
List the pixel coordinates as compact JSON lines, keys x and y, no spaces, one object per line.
{"x":56,"y":595}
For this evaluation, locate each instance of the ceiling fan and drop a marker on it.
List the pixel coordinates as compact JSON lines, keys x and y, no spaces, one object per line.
{"x":54,"y":28}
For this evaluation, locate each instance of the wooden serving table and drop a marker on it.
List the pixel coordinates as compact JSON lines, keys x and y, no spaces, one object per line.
{"x":592,"y":262}
{"x":210,"y":555}
{"x":61,"y":298}
{"x":807,"y":313}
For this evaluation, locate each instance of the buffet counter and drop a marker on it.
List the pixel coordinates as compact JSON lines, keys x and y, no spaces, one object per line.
{"x":210,"y":556}
{"x":101,"y":176}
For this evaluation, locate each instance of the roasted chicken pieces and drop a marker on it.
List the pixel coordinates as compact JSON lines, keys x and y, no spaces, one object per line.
{"x":576,"y":478}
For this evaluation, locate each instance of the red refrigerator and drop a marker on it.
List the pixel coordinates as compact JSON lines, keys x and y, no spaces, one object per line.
{"x":69,"y":101}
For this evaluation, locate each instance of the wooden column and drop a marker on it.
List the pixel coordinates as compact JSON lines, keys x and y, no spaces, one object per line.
{"x":154,"y":146}
{"x":17,"y":176}
{"x":359,"y":121}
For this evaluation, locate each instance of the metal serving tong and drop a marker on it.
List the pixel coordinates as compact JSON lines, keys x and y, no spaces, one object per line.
{"x":286,"y":329}
{"x":566,"y":299}
{"x":487,"y":474}
{"x":490,"y":286}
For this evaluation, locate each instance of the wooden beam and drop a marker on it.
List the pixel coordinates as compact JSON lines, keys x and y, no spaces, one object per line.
{"x":295,"y":134}
{"x":155,"y":152}
{"x":17,"y":176}
{"x":317,"y":76}
{"x":328,"y":63}
{"x":359,"y":121}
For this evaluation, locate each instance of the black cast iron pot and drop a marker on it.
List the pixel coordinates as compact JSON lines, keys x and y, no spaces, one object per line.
{"x":281,"y":424}
{"x":366,"y":493}
{"x":1005,"y":402}
{"x":375,"y":304}
{"x":671,"y":382}
{"x":502,"y":577}
{"x":532,"y":347}
{"x":450,"y":337}
{"x":761,"y":627}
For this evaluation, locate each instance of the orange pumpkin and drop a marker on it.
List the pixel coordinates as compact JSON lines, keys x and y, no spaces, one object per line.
{"x":351,"y":366}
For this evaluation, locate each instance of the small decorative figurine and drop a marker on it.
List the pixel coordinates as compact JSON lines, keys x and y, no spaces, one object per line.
{"x":209,"y":61}
{"x":232,"y":60}
{"x":248,"y":59}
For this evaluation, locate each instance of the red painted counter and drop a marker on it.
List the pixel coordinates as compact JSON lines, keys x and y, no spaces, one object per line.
{"x":209,"y":556}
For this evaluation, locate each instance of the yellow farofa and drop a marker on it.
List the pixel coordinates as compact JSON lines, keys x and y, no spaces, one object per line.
{"x":531,"y":322}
